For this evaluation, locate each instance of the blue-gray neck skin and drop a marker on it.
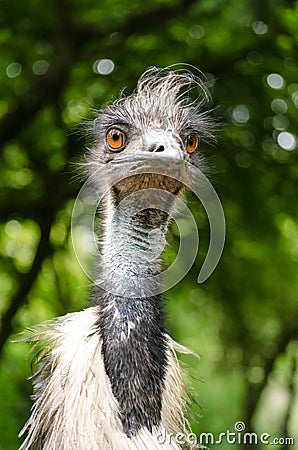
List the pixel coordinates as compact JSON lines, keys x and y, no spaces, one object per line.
{"x":133,"y":240}
{"x":133,"y":327}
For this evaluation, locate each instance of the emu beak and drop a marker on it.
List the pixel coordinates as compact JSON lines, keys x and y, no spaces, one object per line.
{"x":166,"y":144}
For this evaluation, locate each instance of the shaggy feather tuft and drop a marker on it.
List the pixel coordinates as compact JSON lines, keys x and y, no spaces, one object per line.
{"x":70,"y":377}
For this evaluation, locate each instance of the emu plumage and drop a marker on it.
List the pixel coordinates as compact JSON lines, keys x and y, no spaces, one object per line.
{"x":108,"y":377}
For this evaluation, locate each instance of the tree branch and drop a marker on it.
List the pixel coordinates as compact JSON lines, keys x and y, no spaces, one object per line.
{"x":290,"y":409}
{"x":26,"y":282}
{"x":255,"y":391}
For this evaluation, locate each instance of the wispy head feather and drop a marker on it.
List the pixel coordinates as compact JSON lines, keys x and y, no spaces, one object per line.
{"x":163,"y":98}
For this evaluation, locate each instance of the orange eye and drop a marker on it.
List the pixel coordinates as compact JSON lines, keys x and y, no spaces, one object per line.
{"x":115,"y":139}
{"x":191,"y":142}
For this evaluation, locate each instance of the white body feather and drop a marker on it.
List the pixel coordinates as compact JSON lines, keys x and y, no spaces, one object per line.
{"x":74,"y":404}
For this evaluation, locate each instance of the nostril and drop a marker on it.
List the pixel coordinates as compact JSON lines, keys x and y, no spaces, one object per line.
{"x":156,"y":148}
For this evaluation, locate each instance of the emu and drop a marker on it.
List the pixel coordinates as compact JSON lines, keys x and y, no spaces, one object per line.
{"x":108,"y":377}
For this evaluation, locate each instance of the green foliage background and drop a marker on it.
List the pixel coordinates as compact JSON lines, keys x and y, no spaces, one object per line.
{"x":243,"y":320}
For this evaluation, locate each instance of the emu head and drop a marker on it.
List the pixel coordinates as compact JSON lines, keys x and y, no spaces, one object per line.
{"x":157,"y":124}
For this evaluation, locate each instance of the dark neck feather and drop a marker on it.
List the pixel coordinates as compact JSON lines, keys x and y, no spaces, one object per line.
{"x":134,"y":353}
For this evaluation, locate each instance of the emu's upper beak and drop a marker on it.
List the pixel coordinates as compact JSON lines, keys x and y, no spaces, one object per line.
{"x":165,"y":143}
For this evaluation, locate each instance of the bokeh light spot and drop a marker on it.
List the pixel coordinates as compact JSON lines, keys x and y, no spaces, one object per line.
{"x":103,"y":66}
{"x":286,"y":140}
{"x":240,"y":114}
{"x":275,"y":81}
{"x":279,"y":106}
{"x":280,"y":122}
{"x":13,"y":228}
{"x":13,"y":70}
{"x":40,"y":67}
{"x":259,"y":27}
{"x":196,"y":32}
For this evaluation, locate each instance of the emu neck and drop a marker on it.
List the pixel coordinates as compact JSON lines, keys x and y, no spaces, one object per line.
{"x":134,"y":238}
{"x":132,"y":327}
